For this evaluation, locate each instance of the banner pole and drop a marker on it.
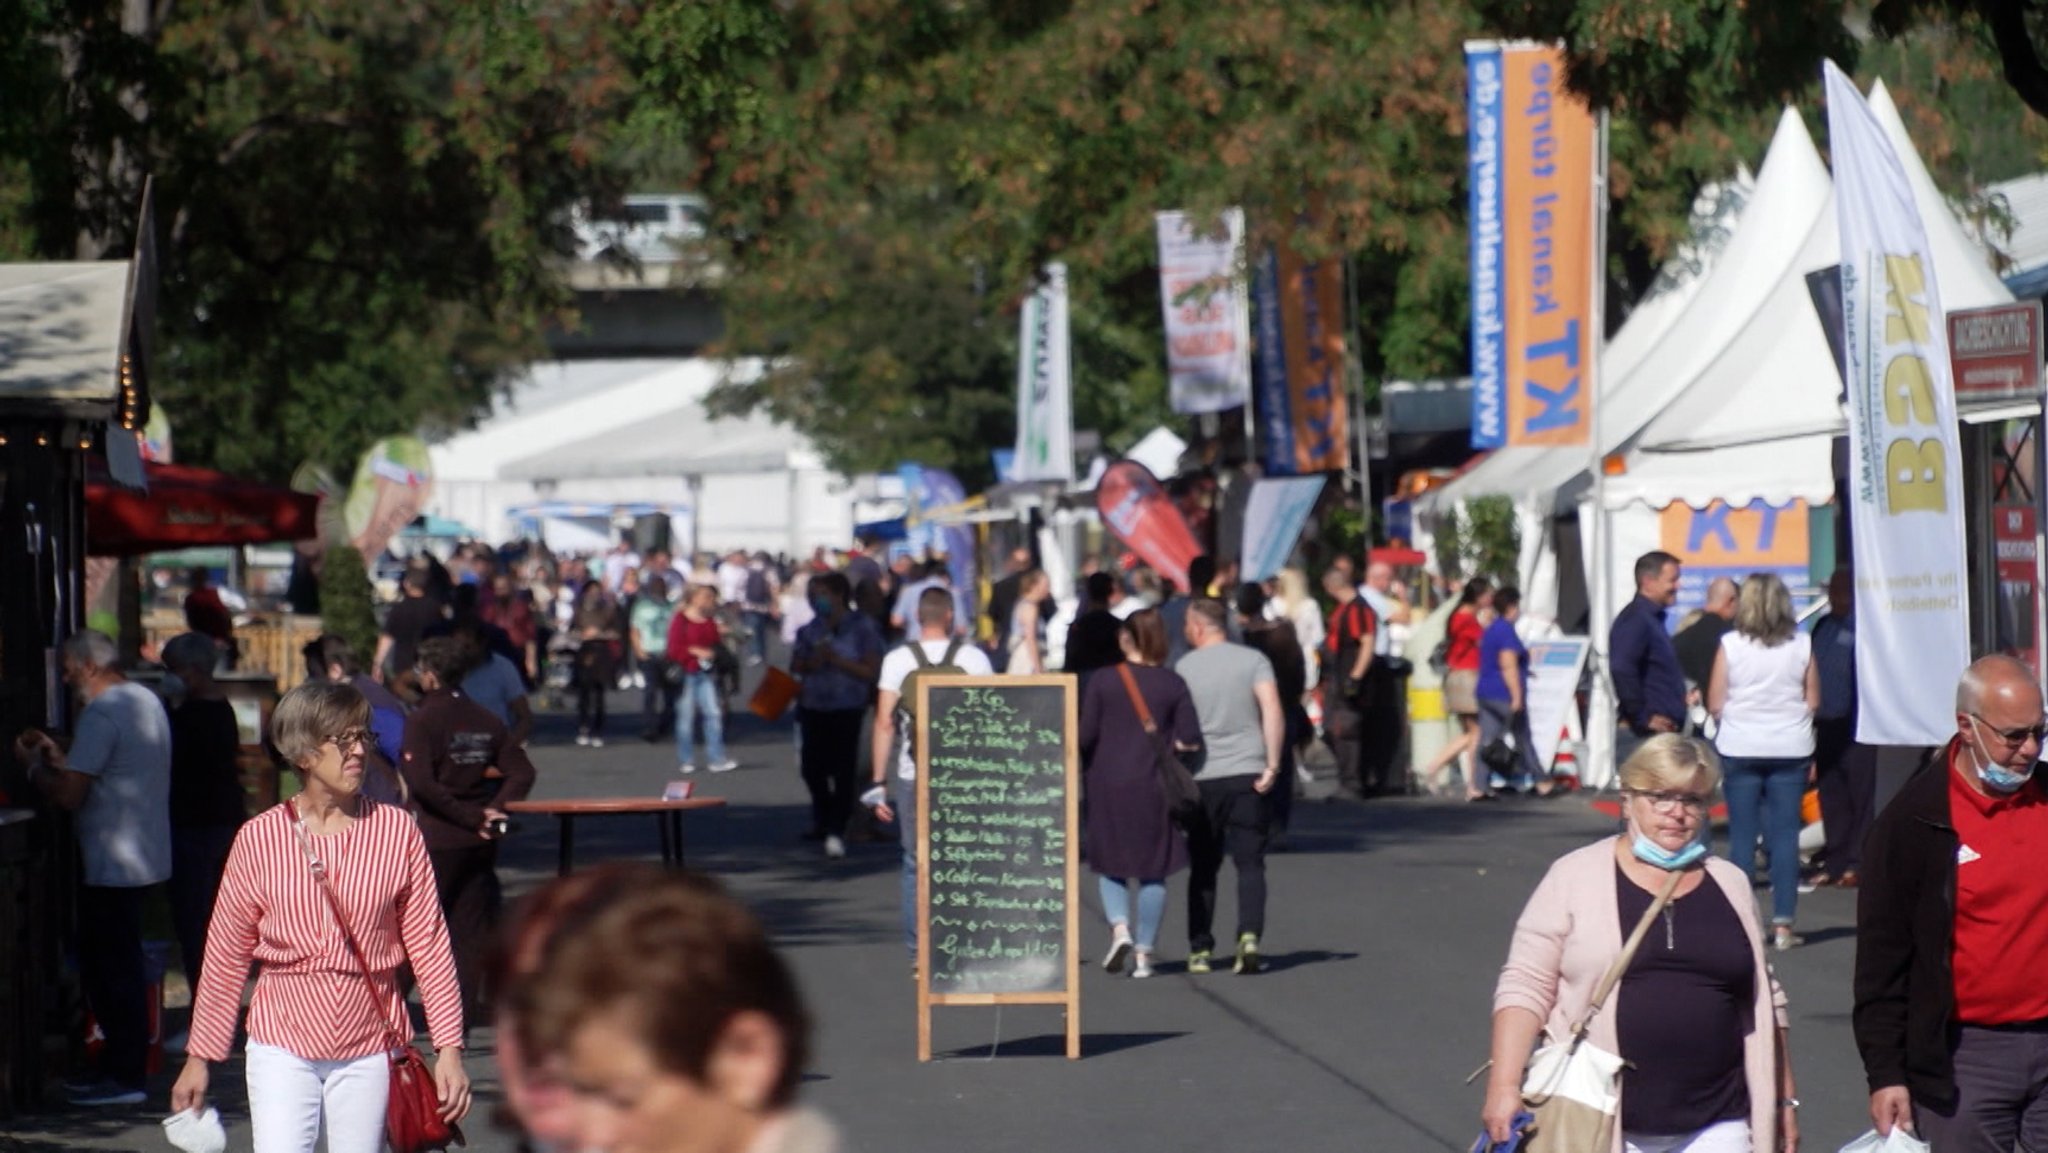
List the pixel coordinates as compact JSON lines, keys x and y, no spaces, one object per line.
{"x":1600,"y":731}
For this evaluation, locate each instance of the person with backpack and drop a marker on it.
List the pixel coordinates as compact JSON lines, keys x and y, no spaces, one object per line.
{"x":934,"y":652}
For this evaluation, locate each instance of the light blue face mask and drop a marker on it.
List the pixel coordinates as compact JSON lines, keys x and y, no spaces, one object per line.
{"x":1995,"y":776}
{"x":1651,"y":853}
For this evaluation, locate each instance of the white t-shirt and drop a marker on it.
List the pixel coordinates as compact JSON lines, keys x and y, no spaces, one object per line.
{"x":1765,"y":714}
{"x":901,"y":662}
{"x":732,"y":583}
{"x":1384,"y":607}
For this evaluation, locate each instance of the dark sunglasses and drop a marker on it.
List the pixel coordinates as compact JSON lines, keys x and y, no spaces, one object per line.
{"x":2017,"y":736}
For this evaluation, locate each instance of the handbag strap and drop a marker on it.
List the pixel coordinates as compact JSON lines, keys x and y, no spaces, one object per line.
{"x":326,"y":887}
{"x":1137,"y":699}
{"x":1628,"y":954}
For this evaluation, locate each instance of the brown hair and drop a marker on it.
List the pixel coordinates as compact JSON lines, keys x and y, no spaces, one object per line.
{"x":313,"y":712}
{"x":1147,"y":631}
{"x":670,"y":955}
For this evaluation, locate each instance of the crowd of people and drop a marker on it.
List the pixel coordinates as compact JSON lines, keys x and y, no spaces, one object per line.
{"x":381,"y":870}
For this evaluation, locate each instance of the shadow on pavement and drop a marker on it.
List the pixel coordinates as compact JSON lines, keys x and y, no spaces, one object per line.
{"x":1055,"y":1045}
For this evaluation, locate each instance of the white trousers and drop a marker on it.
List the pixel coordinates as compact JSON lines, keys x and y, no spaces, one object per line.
{"x":1720,"y":1137}
{"x":291,"y":1099}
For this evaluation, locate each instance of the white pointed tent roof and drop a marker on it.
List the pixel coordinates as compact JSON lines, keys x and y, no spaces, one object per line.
{"x":1758,"y":420}
{"x":1661,"y":345}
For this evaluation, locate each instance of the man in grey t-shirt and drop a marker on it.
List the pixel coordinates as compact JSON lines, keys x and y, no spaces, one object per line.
{"x":117,"y":778}
{"x":1243,"y":728}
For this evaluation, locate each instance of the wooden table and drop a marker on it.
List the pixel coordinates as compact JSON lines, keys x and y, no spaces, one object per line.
{"x":668,"y":817}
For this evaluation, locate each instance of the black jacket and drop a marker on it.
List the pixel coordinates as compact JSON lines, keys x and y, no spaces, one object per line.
{"x":1905,"y":937}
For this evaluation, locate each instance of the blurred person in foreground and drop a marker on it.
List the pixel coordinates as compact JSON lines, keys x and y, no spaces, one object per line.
{"x":1951,"y":1015}
{"x":318,"y":1023}
{"x":1698,"y":1014}
{"x":644,"y":1055}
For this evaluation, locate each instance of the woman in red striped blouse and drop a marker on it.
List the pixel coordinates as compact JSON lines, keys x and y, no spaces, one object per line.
{"x":318,"y":1031}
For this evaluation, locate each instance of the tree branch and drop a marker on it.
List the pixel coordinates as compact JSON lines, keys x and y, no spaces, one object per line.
{"x":2024,"y":70}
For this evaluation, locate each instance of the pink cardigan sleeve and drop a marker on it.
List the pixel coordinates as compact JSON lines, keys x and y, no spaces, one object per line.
{"x":1529,"y":979}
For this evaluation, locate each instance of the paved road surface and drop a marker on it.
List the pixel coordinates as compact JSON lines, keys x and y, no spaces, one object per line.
{"x":1387,"y":927}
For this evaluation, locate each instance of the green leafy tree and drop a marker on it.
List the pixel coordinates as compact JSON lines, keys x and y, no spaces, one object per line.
{"x":360,"y":204}
{"x":1483,"y":539}
{"x":347,"y":602}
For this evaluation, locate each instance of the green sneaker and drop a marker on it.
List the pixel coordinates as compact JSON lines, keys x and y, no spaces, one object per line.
{"x":1247,"y":953}
{"x":1198,"y":961}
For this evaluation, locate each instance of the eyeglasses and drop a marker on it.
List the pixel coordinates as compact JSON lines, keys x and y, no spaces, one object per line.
{"x":1674,"y":802}
{"x":344,"y":741}
{"x":2016,"y":737}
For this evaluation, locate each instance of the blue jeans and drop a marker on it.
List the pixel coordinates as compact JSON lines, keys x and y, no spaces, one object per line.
{"x":699,"y":695}
{"x":1764,"y":792}
{"x":903,"y":798}
{"x":1116,"y":906}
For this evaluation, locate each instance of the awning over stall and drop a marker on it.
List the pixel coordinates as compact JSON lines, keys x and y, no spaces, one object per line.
{"x":185,"y":507}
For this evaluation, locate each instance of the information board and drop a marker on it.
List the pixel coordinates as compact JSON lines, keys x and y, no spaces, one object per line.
{"x":1555,"y":664}
{"x":999,"y":867}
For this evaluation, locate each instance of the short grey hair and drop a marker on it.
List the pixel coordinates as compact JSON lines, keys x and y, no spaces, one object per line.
{"x":93,"y":648}
{"x":1977,"y":680}
{"x":313,"y":713}
{"x":190,"y":651}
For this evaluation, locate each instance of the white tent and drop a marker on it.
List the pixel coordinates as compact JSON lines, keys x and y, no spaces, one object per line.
{"x":634,"y":433}
{"x":1758,"y":422}
{"x":1662,"y":346}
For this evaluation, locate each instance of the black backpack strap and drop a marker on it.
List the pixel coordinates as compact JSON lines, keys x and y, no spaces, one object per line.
{"x":917,"y":650}
{"x":952,"y":654}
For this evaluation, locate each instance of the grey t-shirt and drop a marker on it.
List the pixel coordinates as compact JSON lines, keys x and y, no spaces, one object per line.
{"x":124,"y":827}
{"x":1221,"y":679}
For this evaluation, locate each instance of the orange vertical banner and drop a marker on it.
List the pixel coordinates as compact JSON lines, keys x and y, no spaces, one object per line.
{"x":1532,"y":146}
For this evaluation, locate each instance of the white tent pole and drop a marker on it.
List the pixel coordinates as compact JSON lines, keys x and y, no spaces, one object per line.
{"x":1598,"y":768}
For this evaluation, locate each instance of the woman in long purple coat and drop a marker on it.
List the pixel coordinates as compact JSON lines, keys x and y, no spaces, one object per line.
{"x":1129,"y":836}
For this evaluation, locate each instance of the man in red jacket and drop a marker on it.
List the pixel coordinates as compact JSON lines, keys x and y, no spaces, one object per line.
{"x":462,"y":770}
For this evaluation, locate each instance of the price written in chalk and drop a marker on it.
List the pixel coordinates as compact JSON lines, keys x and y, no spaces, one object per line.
{"x":996,"y":843}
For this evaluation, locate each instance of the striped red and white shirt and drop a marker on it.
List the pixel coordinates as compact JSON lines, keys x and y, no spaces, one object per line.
{"x":310,"y":997}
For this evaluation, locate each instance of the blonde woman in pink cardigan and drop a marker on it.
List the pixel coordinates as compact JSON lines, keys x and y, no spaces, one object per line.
{"x":1698,"y":1014}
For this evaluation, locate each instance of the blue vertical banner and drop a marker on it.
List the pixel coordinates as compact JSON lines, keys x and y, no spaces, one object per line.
{"x":1269,"y":370}
{"x":930,"y":490}
{"x":1489,"y":271}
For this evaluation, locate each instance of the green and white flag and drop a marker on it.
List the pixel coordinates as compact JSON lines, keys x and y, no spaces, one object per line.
{"x":1045,"y":384}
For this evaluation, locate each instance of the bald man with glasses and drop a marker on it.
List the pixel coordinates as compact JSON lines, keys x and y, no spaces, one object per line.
{"x":1951,"y":1014}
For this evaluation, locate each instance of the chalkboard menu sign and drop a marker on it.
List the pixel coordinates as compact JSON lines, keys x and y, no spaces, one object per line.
{"x":997,"y":803}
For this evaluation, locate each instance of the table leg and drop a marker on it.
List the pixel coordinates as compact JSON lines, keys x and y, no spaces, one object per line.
{"x":668,"y":843}
{"x":676,"y":834}
{"x":565,"y":851}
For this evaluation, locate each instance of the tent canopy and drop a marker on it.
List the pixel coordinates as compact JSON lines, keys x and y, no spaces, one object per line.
{"x":1759,"y":420}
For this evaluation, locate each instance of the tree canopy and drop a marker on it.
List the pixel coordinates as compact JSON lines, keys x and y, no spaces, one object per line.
{"x":364,"y":204}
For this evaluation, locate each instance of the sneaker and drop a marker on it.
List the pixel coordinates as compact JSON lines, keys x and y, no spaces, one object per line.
{"x":1247,"y":953}
{"x":724,"y":766}
{"x":1198,"y":961}
{"x":1784,"y":940}
{"x":596,"y":742}
{"x":834,"y":847}
{"x":1120,"y":946}
{"x":686,"y":768}
{"x":107,"y":1093}
{"x":1142,"y":966}
{"x":583,"y":739}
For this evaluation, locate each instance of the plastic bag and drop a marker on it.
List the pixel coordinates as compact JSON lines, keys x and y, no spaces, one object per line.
{"x":1899,"y":1142}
